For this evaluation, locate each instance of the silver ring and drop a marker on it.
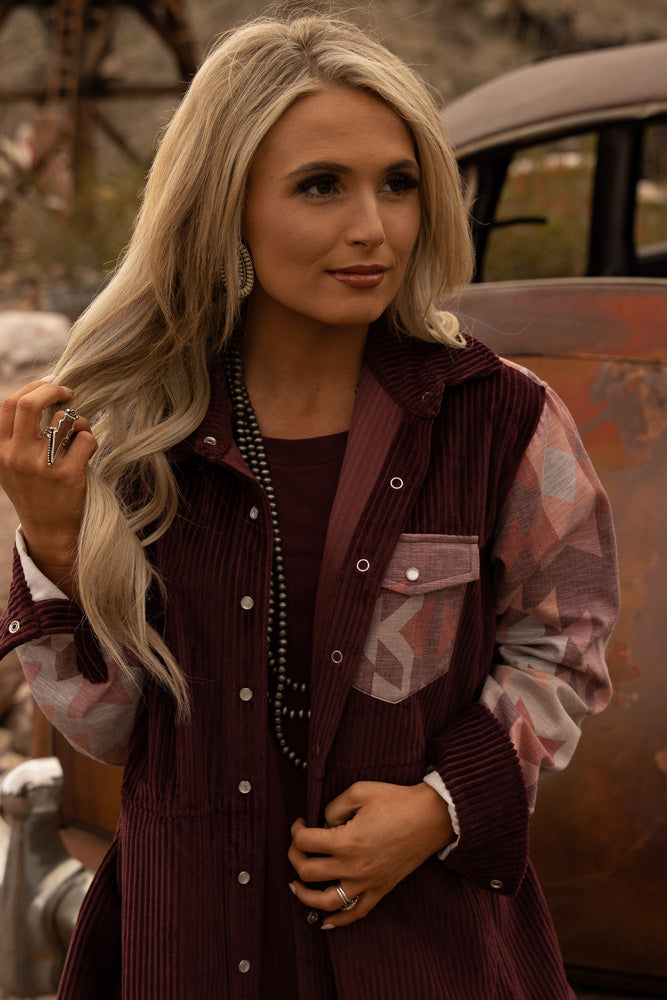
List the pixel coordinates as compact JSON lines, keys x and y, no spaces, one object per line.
{"x":348,"y":904}
{"x":58,"y":436}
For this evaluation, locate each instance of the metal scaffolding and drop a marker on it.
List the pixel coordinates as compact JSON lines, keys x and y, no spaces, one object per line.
{"x":75,"y":87}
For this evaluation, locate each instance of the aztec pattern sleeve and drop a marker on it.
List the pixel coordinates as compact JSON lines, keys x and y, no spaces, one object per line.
{"x":96,"y":718}
{"x":554,"y":613}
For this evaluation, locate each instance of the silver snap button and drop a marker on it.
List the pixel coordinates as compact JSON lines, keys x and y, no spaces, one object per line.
{"x":412,"y":574}
{"x":245,"y":787}
{"x":247,"y":603}
{"x":396,"y":483}
{"x":210,"y":440}
{"x":254,"y":513}
{"x":426,"y":395}
{"x":496,"y":883}
{"x":243,"y":877}
{"x":363,"y":565}
{"x":313,"y":917}
{"x":244,"y":965}
{"x":245,"y":694}
{"x":14,"y":627}
{"x":337,"y":656}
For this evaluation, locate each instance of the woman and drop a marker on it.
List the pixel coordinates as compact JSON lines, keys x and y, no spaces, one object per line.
{"x":301,"y":482}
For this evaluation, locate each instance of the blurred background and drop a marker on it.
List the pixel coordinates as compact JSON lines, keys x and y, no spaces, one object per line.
{"x":136,"y":58}
{"x":85,"y":88}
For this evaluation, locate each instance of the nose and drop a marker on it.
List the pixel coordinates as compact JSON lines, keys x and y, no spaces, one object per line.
{"x":365,"y":227}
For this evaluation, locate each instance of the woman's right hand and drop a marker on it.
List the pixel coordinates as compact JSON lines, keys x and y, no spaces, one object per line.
{"x":48,"y":499}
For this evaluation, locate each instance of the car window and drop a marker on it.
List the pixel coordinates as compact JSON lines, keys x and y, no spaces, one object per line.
{"x":651,"y":198}
{"x":542,"y":219}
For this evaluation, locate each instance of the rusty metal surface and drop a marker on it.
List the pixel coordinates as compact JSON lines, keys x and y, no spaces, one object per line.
{"x":563,"y":94}
{"x":599,"y":836}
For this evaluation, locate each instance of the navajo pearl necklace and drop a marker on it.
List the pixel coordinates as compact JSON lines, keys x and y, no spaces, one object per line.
{"x":251,"y":446}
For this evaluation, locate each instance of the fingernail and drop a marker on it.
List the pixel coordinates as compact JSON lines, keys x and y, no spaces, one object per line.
{"x":328,"y":927}
{"x":292,"y":887}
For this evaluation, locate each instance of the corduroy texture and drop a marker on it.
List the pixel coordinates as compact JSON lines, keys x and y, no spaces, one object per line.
{"x":435,"y":442}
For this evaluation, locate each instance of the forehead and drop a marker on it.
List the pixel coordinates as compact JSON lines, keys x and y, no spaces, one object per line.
{"x":336,"y":124}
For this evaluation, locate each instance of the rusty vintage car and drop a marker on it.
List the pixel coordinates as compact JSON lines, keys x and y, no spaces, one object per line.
{"x":565,"y":165}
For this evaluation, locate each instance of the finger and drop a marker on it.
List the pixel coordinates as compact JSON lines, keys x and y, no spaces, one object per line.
{"x":21,"y":413}
{"x":327,"y":899}
{"x":66,"y":427}
{"x":75,"y":455}
{"x":317,"y":840}
{"x":342,"y":918}
{"x":341,"y":809}
{"x":313,"y":869}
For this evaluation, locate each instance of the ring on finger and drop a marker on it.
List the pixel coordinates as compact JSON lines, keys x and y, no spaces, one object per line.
{"x":348,"y":903}
{"x":58,"y":436}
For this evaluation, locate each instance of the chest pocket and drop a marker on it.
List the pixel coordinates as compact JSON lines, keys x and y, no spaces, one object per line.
{"x":416,"y":617}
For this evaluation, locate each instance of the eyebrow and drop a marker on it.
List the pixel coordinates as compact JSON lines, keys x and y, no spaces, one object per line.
{"x":340,"y":168}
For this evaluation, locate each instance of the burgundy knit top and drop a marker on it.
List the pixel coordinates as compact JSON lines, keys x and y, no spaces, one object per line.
{"x":305,"y":476}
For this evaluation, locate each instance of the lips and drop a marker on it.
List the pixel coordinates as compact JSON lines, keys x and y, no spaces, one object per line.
{"x":360,"y":275}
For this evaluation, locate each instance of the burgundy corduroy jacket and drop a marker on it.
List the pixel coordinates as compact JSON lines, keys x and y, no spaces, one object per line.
{"x":436,"y":439}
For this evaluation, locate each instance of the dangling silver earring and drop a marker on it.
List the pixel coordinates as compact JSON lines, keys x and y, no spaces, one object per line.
{"x":246,"y":271}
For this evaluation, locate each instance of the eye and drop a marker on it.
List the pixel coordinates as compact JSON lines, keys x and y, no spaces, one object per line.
{"x":401,"y":183}
{"x":318,"y":186}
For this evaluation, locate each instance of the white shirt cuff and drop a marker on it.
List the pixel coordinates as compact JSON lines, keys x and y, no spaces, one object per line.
{"x":434,"y":779}
{"x":40,"y":587}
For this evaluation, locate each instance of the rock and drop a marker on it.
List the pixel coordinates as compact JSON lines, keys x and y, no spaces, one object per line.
{"x":27,"y":338}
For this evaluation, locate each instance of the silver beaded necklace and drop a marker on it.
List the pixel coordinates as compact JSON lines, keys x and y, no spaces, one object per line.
{"x":251,"y":445}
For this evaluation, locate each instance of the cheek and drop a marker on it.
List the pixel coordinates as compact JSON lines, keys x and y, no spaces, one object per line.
{"x":280,"y":239}
{"x":413,"y":226}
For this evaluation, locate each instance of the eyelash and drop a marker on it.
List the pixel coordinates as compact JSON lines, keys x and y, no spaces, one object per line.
{"x":405,"y":183}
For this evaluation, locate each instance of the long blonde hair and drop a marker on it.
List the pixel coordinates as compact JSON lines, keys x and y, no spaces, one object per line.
{"x":138,"y":358}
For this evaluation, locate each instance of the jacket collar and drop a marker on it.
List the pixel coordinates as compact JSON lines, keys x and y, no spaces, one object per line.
{"x":414,"y":373}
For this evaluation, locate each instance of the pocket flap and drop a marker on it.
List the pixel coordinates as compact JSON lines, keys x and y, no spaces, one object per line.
{"x":421,"y":563}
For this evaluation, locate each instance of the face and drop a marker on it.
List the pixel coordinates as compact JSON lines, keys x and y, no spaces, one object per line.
{"x":332,"y":212}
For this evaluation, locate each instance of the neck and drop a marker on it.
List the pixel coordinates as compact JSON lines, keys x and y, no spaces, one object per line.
{"x":302,"y":383}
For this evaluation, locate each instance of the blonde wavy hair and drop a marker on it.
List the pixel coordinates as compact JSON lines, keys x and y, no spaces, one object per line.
{"x":138,"y":358}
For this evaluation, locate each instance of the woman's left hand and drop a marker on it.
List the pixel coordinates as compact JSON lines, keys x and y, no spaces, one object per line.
{"x":376,"y":834}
